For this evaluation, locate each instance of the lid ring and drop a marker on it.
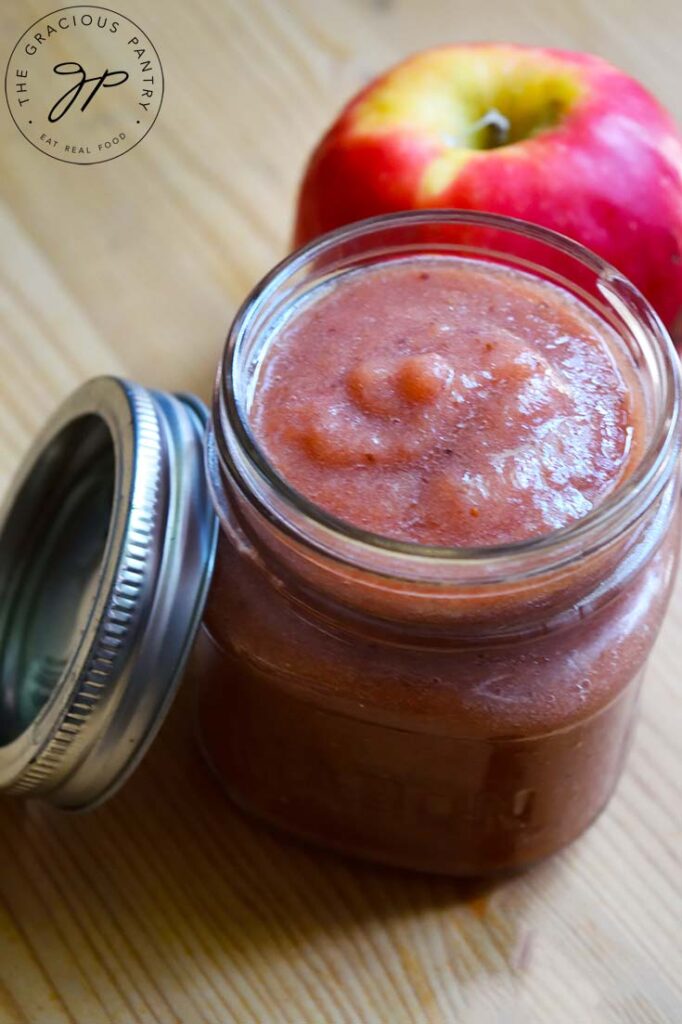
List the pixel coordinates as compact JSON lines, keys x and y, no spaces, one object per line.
{"x":136,"y":587}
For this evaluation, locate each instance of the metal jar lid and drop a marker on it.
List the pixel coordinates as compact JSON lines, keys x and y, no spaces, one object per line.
{"x":107,"y":541}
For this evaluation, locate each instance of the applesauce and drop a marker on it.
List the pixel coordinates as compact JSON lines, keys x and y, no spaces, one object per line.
{"x":447,"y":481}
{"x":449,"y":403}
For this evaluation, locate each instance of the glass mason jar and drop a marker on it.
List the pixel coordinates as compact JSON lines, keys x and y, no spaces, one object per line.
{"x":453,"y":710}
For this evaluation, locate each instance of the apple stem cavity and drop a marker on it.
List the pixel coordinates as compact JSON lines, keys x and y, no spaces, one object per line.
{"x":495,"y":126}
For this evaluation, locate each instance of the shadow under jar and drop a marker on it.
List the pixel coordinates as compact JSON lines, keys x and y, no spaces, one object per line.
{"x":458,"y":710}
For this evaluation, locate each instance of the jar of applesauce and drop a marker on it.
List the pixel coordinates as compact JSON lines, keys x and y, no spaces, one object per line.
{"x":443,"y":455}
{"x":454,"y":709}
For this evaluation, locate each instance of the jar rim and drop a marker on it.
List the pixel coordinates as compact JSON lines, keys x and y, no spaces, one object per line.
{"x":517,"y":559}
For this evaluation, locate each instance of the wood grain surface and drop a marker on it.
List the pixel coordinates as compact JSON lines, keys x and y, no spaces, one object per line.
{"x":166,"y":905}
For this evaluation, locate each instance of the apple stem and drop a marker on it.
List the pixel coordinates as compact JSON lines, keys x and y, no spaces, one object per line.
{"x":499,"y":128}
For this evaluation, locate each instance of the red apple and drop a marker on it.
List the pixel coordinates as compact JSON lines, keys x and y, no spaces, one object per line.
{"x":558,"y":138}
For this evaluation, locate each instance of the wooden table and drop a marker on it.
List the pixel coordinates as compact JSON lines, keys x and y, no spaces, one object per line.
{"x":166,"y":905}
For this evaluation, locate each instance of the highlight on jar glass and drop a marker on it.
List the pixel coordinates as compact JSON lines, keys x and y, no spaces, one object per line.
{"x":414,"y":561}
{"x":444,"y":455}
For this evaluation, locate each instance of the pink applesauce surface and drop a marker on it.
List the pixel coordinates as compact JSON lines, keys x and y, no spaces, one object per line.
{"x":447,"y":402}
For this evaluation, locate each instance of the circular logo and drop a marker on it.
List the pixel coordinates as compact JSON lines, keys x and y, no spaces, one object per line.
{"x":84,"y":84}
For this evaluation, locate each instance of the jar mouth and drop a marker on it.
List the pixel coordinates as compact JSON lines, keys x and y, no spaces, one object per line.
{"x":618,"y":301}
